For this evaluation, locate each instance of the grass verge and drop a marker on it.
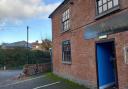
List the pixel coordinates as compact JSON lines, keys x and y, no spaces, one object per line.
{"x":70,"y":84}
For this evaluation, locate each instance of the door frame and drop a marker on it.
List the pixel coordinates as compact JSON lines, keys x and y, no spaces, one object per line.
{"x":97,"y":72}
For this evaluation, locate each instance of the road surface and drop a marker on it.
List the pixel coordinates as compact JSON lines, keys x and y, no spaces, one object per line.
{"x":8,"y":75}
{"x":8,"y":81}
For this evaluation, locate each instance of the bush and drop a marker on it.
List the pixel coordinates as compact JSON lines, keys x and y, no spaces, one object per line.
{"x":18,"y":57}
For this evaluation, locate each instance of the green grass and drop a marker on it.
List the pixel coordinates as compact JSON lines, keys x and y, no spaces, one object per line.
{"x":69,"y":84}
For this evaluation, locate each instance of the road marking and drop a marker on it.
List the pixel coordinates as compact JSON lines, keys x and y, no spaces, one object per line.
{"x":23,"y":81}
{"x":47,"y":85}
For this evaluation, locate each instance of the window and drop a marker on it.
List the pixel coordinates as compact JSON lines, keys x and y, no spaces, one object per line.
{"x":66,"y":20}
{"x":66,"y":52}
{"x":126,"y":54}
{"x":105,"y":5}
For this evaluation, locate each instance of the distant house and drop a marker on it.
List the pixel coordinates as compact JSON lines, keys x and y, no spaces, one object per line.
{"x":90,"y":42}
{"x":22,"y":44}
{"x":43,"y":46}
{"x":36,"y":46}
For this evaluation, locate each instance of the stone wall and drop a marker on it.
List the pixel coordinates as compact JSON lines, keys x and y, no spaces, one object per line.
{"x":33,"y":69}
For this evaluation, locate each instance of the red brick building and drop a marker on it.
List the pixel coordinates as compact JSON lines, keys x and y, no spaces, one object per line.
{"x":90,"y":41}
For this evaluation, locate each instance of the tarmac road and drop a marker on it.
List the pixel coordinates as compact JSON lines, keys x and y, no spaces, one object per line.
{"x":7,"y":76}
{"x":36,"y":82}
{"x":7,"y":81}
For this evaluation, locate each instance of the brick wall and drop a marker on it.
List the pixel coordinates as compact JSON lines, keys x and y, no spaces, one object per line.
{"x":83,"y":67}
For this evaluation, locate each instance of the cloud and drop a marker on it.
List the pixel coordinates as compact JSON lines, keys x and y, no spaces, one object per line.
{"x":19,"y":10}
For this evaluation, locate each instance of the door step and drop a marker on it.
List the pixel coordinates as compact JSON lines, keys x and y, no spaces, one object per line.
{"x":111,"y":88}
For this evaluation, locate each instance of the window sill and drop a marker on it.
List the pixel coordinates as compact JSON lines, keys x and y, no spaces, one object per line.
{"x":98,"y":16}
{"x":65,"y":31}
{"x":69,"y":63}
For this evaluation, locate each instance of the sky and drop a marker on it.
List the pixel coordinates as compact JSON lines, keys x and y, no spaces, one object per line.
{"x":16,"y":15}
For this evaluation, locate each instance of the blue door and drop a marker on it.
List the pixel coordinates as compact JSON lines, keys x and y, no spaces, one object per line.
{"x":105,"y":64}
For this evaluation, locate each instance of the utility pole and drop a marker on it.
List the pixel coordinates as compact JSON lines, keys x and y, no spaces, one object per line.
{"x":27,"y":45}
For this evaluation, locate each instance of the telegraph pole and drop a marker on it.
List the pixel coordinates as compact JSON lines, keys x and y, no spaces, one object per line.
{"x":27,"y":45}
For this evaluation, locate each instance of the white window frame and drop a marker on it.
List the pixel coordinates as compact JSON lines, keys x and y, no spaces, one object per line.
{"x":66,"y":20}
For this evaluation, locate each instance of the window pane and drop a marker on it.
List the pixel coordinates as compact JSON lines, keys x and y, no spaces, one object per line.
{"x":66,"y":17}
{"x":99,"y":2}
{"x":104,"y":7}
{"x":116,"y":2}
{"x":64,"y":26}
{"x":110,"y":4}
{"x":68,"y":13}
{"x":100,"y":9}
{"x":68,"y":25}
{"x":64,"y":14}
{"x":63,"y":17}
{"x":104,"y":1}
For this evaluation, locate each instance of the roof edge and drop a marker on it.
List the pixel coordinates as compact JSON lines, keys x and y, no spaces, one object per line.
{"x":50,"y":16}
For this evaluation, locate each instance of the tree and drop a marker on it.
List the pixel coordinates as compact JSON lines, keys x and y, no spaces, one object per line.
{"x":46,"y":44}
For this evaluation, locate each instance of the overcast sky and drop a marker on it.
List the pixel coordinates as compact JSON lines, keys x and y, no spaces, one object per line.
{"x":15,"y":15}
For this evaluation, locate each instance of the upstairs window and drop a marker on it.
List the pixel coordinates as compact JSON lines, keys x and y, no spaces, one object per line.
{"x":66,"y":52}
{"x":105,"y":5}
{"x":66,"y":20}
